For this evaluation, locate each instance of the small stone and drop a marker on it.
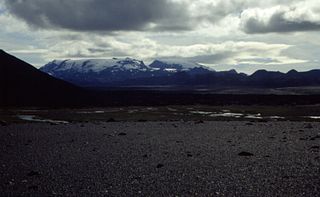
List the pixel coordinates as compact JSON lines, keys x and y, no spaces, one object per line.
{"x":199,"y":122}
{"x":315,"y":137}
{"x":33,"y":173}
{"x":33,"y":187}
{"x":3,"y":123}
{"x":111,"y":120}
{"x":245,"y":154}
{"x":160,"y":165}
{"x":308,"y":126}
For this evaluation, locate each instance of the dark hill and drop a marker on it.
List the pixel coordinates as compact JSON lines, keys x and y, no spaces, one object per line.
{"x":23,"y":85}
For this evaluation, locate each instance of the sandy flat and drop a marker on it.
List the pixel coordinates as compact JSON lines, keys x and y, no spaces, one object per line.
{"x":160,"y":159}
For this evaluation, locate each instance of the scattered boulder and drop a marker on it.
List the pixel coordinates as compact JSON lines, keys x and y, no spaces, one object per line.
{"x":308,"y":126}
{"x":245,"y":154}
{"x":3,"y":123}
{"x":33,"y":173}
{"x":315,"y":137}
{"x":33,"y":187}
{"x":160,"y":165}
{"x":199,"y":122}
{"x":111,"y":120}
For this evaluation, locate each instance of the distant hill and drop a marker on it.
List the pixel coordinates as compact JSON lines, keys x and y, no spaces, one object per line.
{"x":132,"y":72}
{"x":23,"y":85}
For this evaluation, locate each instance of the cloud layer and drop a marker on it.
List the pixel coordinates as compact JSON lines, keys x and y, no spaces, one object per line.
{"x":167,"y":15}
{"x":99,"y":15}
{"x":243,"y":34}
{"x":302,"y":16}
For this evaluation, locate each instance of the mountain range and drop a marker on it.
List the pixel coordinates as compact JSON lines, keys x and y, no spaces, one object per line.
{"x":131,"y":72}
{"x":22,"y":85}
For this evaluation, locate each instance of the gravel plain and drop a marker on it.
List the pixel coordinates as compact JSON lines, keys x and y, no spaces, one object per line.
{"x":211,"y":158}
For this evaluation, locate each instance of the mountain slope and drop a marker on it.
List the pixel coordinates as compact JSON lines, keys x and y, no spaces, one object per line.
{"x":113,"y":72}
{"x":23,"y":85}
{"x":98,"y":72}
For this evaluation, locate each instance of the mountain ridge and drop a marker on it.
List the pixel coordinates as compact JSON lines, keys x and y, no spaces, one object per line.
{"x":133,"y":72}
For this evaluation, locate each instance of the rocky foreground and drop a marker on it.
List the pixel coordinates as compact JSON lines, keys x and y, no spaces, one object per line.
{"x":160,"y":159}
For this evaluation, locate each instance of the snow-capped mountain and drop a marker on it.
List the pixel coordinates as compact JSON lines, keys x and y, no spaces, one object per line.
{"x":94,"y":65}
{"x":177,"y":65}
{"x":100,"y":72}
{"x":92,"y":72}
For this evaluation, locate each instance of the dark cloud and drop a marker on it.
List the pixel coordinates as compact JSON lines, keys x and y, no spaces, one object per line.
{"x":100,"y":15}
{"x":278,"y":23}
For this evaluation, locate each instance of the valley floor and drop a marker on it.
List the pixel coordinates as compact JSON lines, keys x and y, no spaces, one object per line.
{"x":178,"y":158}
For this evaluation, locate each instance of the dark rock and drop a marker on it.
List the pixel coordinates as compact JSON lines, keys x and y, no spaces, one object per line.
{"x":3,"y":123}
{"x":111,"y":120}
{"x":142,"y":120}
{"x":199,"y":122}
{"x":308,"y":126}
{"x":189,"y":155}
{"x":122,"y":134}
{"x":33,"y":187}
{"x":160,"y":165}
{"x":33,"y":173}
{"x":315,"y":137}
{"x":245,"y":154}
{"x":249,"y":123}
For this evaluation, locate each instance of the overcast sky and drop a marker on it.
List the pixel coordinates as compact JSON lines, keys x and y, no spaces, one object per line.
{"x":245,"y":35}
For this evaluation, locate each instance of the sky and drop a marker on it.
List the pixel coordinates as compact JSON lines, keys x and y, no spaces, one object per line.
{"x":246,"y":35}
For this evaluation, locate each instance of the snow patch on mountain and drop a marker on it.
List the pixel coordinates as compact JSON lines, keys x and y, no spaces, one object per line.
{"x":177,"y":64}
{"x":94,"y":65}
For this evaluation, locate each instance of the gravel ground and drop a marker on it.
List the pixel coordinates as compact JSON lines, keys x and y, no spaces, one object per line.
{"x":160,"y":159}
